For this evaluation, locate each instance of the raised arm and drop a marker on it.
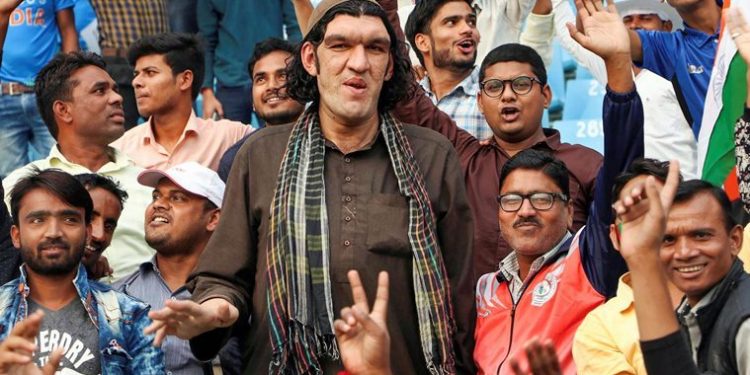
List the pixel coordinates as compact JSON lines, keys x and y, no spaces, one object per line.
{"x":563,"y":15}
{"x":539,"y":30}
{"x":643,"y":214}
{"x":605,"y":35}
{"x":303,"y":9}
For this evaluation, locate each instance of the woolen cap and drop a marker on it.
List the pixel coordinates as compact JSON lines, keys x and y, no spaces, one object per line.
{"x":323,"y":8}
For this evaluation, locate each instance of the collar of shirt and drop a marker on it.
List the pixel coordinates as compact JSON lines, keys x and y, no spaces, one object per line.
{"x":81,"y":283}
{"x":624,"y":298}
{"x":686,"y":310}
{"x":192,"y":127}
{"x":551,"y":140}
{"x":120,"y":161}
{"x":152,"y":267}
{"x":509,"y":267}
{"x":469,"y":85}
{"x":699,"y":36}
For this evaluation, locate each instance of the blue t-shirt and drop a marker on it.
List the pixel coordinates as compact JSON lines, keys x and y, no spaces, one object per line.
{"x":32,"y":39}
{"x":687,"y":55}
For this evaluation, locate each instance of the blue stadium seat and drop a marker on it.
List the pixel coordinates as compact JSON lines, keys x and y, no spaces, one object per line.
{"x":568,"y":62}
{"x":587,"y":132}
{"x":583,"y":99}
{"x":556,"y":81}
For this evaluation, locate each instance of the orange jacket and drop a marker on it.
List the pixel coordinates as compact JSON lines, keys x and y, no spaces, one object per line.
{"x":553,"y":303}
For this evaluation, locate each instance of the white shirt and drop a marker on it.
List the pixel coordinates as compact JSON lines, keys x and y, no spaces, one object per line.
{"x":499,"y":22}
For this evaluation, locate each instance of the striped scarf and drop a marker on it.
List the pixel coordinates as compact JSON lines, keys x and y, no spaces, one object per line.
{"x":300,"y":305}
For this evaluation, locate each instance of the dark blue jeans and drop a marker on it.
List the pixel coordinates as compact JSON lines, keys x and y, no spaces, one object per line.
{"x":236,"y":101}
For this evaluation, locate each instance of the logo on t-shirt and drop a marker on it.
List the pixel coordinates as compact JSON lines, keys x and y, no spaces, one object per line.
{"x":695,"y":69}
{"x":75,"y":351}
{"x":545,"y":289}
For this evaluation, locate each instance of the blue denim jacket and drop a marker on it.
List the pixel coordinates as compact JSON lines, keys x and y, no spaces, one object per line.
{"x":120,"y":319}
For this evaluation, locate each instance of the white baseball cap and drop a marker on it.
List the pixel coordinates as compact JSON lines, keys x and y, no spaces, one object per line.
{"x":190,"y":176}
{"x":664,"y":11}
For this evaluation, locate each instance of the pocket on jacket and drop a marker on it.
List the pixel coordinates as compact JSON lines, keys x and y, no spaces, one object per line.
{"x":115,"y":359}
{"x":388,"y":225}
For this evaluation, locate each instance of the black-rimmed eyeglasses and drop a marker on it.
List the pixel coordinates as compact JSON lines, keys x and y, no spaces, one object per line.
{"x":520,"y":85}
{"x":540,"y":201}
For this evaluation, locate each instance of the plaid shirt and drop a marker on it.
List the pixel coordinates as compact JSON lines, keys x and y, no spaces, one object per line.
{"x":122,"y":22}
{"x":461,"y":105}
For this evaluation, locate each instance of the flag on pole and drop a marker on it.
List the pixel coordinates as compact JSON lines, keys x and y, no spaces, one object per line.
{"x":725,"y":103}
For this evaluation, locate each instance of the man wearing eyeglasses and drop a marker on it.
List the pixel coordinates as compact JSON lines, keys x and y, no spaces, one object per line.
{"x":553,"y":278}
{"x":516,"y":122}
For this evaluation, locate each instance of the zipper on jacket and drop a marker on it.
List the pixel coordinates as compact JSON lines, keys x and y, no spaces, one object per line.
{"x":513,"y":319}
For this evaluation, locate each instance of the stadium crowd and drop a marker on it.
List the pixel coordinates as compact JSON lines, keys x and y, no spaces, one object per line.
{"x":222,"y":186}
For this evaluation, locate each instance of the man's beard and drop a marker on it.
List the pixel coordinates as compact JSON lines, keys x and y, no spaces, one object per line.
{"x":442,"y":59}
{"x":281,"y":117}
{"x":53,"y":267}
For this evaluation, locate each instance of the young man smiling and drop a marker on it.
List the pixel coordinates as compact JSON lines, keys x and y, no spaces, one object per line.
{"x":271,"y":102}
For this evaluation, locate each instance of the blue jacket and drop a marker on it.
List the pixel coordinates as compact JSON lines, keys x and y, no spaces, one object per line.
{"x":123,"y":347}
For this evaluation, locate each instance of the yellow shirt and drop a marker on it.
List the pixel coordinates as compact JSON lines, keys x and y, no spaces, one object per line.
{"x":744,"y":254}
{"x":128,"y":248}
{"x":607,"y":340}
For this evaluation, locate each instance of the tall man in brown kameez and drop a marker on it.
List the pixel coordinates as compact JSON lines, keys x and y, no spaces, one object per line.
{"x":346,"y":187}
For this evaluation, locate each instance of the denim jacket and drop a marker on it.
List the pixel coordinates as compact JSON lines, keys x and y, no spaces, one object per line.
{"x":120,"y":319}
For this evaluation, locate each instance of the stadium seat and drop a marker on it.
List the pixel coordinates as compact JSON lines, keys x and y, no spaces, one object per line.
{"x":586,"y":132}
{"x":556,"y":80}
{"x":583,"y":99}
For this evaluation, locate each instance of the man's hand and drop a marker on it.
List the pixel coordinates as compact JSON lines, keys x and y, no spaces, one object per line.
{"x":17,"y":350}
{"x":740,"y":31}
{"x":362,"y":334}
{"x":187,"y":319}
{"x":211,"y":105}
{"x":542,"y":359}
{"x":604,"y":33}
{"x":642,"y":214}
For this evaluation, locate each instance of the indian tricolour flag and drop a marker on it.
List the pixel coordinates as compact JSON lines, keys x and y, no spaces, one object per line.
{"x":725,"y":103}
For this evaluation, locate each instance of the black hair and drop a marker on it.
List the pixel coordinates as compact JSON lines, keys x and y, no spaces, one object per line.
{"x":640,"y":167}
{"x":92,"y":180}
{"x":419,"y":21}
{"x":303,"y":87}
{"x":53,"y":82}
{"x":687,"y":190}
{"x":181,"y":52}
{"x":514,"y":52}
{"x":56,"y":182}
{"x":542,"y":161}
{"x":265,"y":47}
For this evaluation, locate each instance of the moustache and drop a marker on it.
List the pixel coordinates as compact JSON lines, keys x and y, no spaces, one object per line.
{"x":278,"y":92}
{"x":526,"y":220}
{"x":53,"y":243}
